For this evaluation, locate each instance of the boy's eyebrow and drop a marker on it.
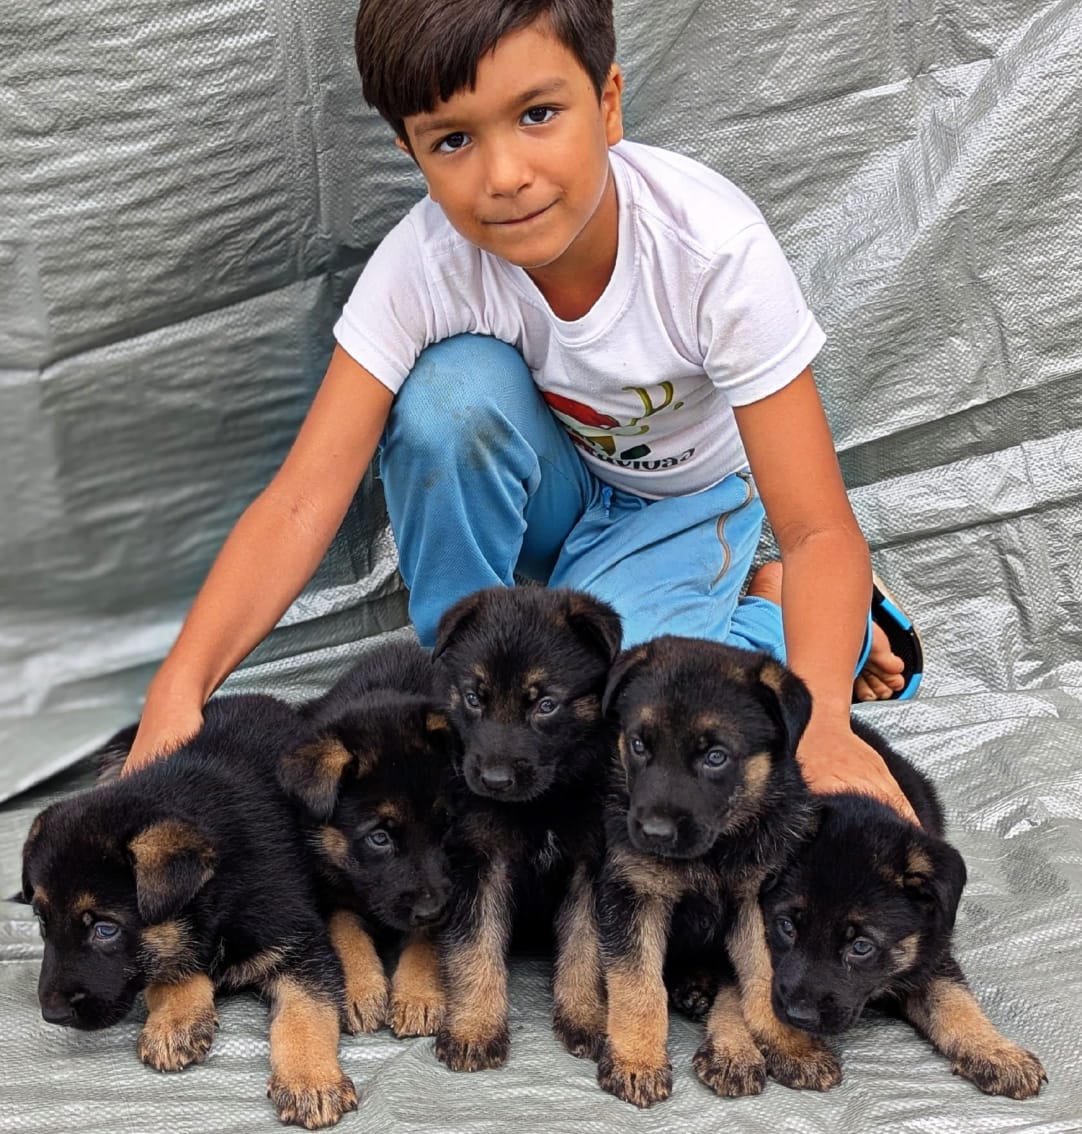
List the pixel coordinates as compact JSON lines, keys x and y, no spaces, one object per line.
{"x":449,"y":121}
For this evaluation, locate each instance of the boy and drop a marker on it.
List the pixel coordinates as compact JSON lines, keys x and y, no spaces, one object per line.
{"x":646,"y":299}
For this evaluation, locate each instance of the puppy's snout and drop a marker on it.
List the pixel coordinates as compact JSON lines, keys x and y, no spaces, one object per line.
{"x":56,"y":1008}
{"x":428,"y":908}
{"x":803,"y":1014}
{"x":497,"y":777}
{"x":658,"y":827}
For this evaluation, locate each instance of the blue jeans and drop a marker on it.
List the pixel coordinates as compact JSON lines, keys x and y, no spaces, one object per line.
{"x":482,"y":483}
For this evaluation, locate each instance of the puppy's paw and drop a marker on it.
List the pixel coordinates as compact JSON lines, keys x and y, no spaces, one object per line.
{"x":804,"y":1066}
{"x":641,"y":1085}
{"x":416,"y":1015}
{"x":730,"y":1073}
{"x":693,"y":992}
{"x":365,"y":1007}
{"x":473,"y":1053}
{"x":167,"y":1044}
{"x":1009,"y":1070}
{"x":312,"y":1104}
{"x":582,"y":1040}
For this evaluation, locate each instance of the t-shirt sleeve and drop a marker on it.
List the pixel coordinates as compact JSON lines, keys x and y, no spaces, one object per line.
{"x":755,"y":330}
{"x":389,"y":317}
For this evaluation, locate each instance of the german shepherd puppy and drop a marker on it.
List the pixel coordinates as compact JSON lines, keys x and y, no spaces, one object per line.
{"x":704,"y":803}
{"x":376,"y":784}
{"x":525,"y":669}
{"x":189,"y":876}
{"x":863,"y":913}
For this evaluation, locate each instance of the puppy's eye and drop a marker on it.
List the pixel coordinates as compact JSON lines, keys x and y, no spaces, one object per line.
{"x":546,"y":706}
{"x":378,"y":839}
{"x":471,"y":698}
{"x":786,"y":928}
{"x":636,"y":744}
{"x":716,"y":758}
{"x":104,"y":931}
{"x":861,"y":947}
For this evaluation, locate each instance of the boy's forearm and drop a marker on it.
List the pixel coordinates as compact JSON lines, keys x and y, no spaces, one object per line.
{"x":269,"y":556}
{"x":826,"y":591}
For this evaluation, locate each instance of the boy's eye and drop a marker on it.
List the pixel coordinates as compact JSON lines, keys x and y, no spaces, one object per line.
{"x":537,"y":115}
{"x":451,"y":142}
{"x":104,"y":931}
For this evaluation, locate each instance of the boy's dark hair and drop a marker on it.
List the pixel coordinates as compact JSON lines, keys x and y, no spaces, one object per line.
{"x":413,"y":53}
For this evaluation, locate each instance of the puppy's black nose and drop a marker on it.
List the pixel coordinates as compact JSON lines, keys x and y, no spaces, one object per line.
{"x":426,"y":909}
{"x":497,"y":778}
{"x":57,"y":1010}
{"x":802,"y":1014}
{"x":660,"y":828}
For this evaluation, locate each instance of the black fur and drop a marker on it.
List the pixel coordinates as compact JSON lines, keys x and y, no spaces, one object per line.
{"x":123,"y":906}
{"x":863,"y":914}
{"x":524,"y":669}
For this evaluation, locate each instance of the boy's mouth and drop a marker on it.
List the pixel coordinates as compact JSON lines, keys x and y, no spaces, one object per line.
{"x":522,"y":219}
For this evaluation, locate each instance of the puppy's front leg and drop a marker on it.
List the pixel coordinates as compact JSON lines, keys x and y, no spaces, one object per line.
{"x":947,"y":1013}
{"x":793,"y":1057}
{"x":417,"y":1001}
{"x":307,"y":1085}
{"x":634,"y":1062}
{"x":180,"y":1025}
{"x":473,"y":959}
{"x":728,"y":1060}
{"x":365,"y":1007}
{"x":578,"y":982}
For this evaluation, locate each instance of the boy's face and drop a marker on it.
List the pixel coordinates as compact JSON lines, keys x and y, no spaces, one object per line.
{"x":520,"y":163}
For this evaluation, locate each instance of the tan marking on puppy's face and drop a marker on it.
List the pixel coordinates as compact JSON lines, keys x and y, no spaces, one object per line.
{"x":903,"y":955}
{"x":83,"y":903}
{"x":918,"y":862}
{"x":747,"y":799}
{"x":332,"y":845}
{"x":168,"y":950}
{"x":391,"y":811}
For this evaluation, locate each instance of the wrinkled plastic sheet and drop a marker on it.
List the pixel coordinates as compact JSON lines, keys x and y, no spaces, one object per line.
{"x":187,"y":192}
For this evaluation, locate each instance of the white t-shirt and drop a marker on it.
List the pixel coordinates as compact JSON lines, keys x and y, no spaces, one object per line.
{"x":702,"y":313}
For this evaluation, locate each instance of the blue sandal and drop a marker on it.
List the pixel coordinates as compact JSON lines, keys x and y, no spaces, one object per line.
{"x":902,"y":635}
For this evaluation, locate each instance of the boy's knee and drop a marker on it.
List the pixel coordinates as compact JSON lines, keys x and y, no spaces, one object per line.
{"x":461,"y":398}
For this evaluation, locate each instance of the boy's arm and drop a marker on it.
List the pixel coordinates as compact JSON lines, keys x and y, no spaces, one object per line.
{"x":269,"y":556}
{"x":826,"y":581}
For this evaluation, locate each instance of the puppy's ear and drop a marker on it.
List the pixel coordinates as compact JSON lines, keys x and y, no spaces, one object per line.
{"x":787,"y":700}
{"x":935,"y":876}
{"x":312,"y":774}
{"x":595,"y":623}
{"x":26,"y":893}
{"x":172,"y":863}
{"x":455,"y":619}
{"x":623,"y":669}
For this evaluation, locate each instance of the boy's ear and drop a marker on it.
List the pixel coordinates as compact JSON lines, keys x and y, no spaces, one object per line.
{"x":611,"y":105}
{"x":312,"y":774}
{"x":787,"y":700}
{"x":172,"y":863}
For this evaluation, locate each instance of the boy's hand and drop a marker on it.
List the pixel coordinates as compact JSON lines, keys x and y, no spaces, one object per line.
{"x":834,"y":759}
{"x":158,"y":739}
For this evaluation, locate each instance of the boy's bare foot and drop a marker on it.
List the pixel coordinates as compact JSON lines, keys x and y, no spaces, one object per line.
{"x":882,"y":674}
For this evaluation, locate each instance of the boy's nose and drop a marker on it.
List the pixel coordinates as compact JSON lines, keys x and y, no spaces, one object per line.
{"x":506,"y":173}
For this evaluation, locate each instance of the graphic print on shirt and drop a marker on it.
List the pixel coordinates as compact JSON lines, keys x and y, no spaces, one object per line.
{"x":598,"y":432}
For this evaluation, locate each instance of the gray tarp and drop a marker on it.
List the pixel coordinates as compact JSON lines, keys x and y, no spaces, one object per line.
{"x":187,"y":191}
